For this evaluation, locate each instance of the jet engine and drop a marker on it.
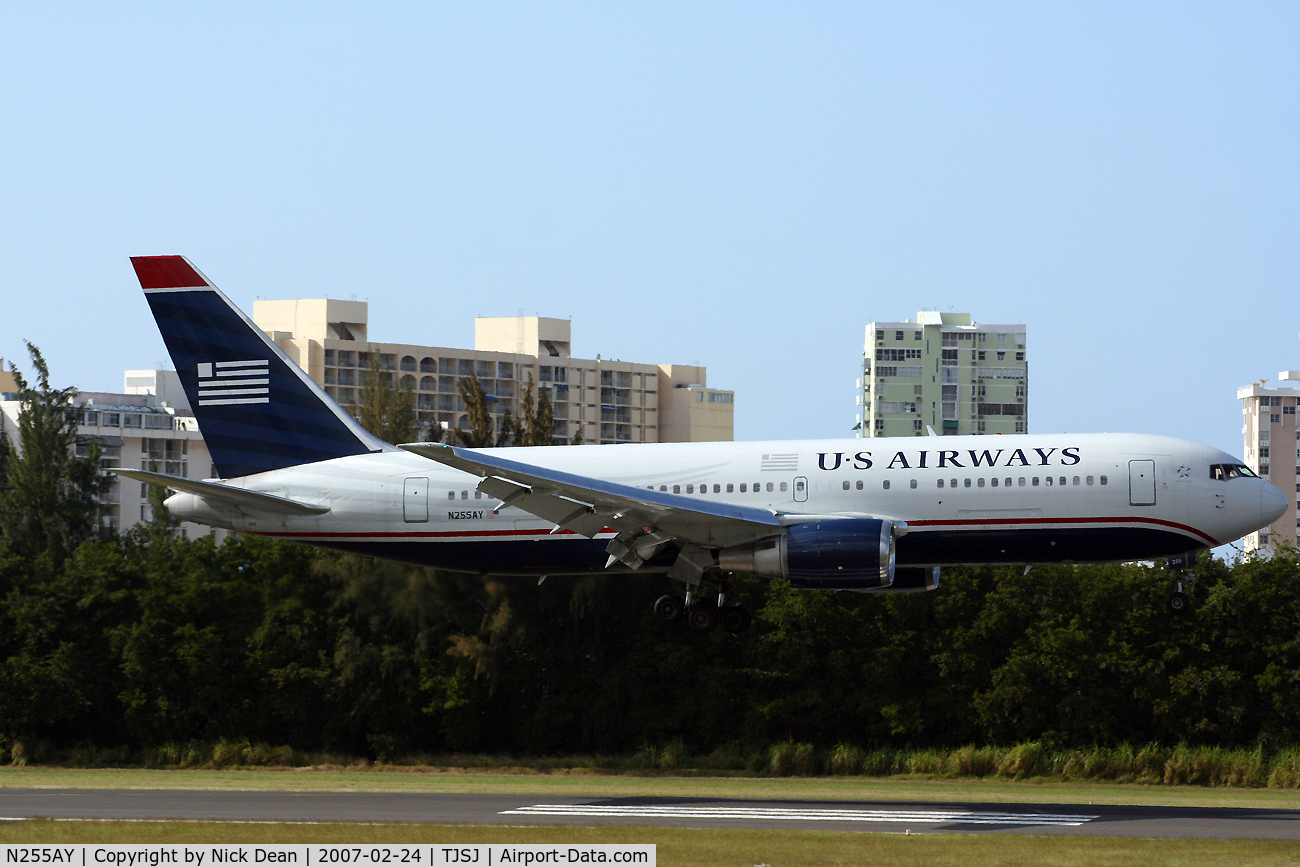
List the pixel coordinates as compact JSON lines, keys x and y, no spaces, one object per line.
{"x":832,"y":554}
{"x":910,"y":579}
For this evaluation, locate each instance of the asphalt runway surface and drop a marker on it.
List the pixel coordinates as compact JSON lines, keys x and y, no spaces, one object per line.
{"x":456,"y":809}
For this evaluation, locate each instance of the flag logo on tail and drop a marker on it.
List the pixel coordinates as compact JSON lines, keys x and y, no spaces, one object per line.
{"x":223,"y":383}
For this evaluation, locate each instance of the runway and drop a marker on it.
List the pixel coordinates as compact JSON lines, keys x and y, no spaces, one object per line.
{"x":875,"y":816}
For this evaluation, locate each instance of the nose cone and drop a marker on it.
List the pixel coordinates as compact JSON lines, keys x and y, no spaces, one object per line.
{"x":1272,"y":504}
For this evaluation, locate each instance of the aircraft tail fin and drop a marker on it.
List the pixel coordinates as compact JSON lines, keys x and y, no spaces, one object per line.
{"x":257,"y":410}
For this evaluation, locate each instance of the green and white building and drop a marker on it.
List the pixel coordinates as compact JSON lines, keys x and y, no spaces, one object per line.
{"x":943,"y":372}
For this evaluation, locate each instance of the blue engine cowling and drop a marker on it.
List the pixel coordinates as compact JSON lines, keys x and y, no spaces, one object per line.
{"x":833,"y":554}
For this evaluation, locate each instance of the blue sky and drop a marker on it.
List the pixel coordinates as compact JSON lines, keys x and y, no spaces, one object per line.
{"x":739,"y":185}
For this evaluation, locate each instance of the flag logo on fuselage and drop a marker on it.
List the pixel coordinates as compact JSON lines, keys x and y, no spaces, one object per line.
{"x":222,"y":383}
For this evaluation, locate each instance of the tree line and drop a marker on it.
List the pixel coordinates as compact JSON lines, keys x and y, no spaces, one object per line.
{"x":147,"y":638}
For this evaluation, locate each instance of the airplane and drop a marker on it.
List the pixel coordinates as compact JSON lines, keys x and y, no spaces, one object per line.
{"x":869,"y":515}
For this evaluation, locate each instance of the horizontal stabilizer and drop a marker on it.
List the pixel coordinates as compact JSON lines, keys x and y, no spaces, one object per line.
{"x":226,"y":493}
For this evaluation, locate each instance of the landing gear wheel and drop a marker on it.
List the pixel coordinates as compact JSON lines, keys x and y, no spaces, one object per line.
{"x":668,"y":609}
{"x":734,"y":618}
{"x":702,"y":617}
{"x":1178,"y":603}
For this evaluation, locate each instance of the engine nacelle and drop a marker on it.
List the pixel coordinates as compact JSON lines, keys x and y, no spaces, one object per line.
{"x":835,"y":554}
{"x":910,"y":579}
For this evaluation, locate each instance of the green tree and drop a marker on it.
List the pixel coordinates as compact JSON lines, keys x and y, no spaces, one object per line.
{"x":387,"y":409}
{"x":480,"y":434}
{"x":539,"y":422}
{"x":51,"y":499}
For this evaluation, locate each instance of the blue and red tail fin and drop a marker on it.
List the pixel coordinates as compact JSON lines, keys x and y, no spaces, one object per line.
{"x":257,"y":410}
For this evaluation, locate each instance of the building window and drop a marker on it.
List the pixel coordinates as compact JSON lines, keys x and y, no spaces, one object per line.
{"x":1002,"y":356}
{"x":916,"y":335}
{"x":898,"y":335}
{"x":1002,"y":338}
{"x":1275,"y":418}
{"x":980,"y":355}
{"x":1020,"y":356}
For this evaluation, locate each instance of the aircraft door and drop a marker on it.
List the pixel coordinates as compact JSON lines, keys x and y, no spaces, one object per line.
{"x":415,"y":501}
{"x":800,"y":489}
{"x":1141,"y":483}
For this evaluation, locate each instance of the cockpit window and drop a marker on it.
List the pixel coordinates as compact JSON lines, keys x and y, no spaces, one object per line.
{"x":1223,"y":472}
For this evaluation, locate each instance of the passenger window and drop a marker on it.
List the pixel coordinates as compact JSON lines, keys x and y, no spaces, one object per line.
{"x":1076,"y":480}
{"x":677,"y":489}
{"x":968,"y":483}
{"x":846,"y":486}
{"x":1035,"y":482}
{"x":717,"y":489}
{"x":478,"y":495}
{"x":979,"y":483}
{"x":1049,"y":481}
{"x":451,"y":495}
{"x":953,"y":484}
{"x":743,"y":488}
{"x":859,"y":484}
{"x":785,"y":486}
{"x":663,"y":488}
{"x":1022,"y":481}
{"x":995,"y":483}
{"x":1103,"y":480}
{"x":941,"y":483}
{"x":1062,"y":479}
{"x":1007,"y":482}
{"x":1089,"y":480}
{"x":886,"y":484}
{"x":690,"y":489}
{"x":730,"y":488}
{"x":769,"y":487}
{"x":913,"y":485}
{"x":464,"y":495}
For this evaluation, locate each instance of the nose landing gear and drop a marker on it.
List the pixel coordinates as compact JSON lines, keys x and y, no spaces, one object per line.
{"x":1179,"y":602}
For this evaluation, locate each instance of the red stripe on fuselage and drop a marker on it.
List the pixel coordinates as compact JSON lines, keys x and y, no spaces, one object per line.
{"x":936,"y":524}
{"x":985,"y":522}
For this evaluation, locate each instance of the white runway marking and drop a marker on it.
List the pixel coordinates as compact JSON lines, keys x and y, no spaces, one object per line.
{"x":803,"y":814}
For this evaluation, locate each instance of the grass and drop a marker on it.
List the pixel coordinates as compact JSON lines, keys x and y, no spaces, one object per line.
{"x":1251,"y":767}
{"x":713,"y":847}
{"x":533,"y":784}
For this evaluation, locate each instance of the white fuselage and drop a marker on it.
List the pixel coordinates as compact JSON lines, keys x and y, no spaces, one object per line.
{"x":1004,"y":499}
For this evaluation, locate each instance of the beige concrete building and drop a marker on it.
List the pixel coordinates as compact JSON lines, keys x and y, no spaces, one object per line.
{"x":148,"y":427}
{"x":944,"y":372}
{"x":1272,"y":450}
{"x":603,"y":400}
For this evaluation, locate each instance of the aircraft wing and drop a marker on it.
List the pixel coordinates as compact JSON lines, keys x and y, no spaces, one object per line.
{"x":225,"y":493}
{"x":645,"y":520}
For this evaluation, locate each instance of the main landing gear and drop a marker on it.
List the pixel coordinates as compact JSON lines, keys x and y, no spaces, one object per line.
{"x":702,"y":614}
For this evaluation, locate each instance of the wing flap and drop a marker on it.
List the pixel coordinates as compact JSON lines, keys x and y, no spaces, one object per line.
{"x":589,"y":505}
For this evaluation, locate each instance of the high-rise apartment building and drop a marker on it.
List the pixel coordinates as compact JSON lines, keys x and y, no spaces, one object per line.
{"x":943,"y":372}
{"x":1272,"y":447}
{"x":604,"y":400}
